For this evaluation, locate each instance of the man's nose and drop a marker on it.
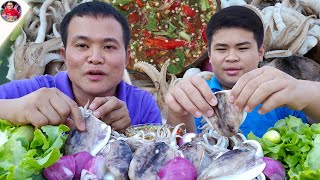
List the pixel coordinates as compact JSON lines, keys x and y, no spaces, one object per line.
{"x":232,"y":56}
{"x":96,"y":56}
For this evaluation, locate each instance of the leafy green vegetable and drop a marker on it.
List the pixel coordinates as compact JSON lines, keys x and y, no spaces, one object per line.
{"x":204,"y":5}
{"x":176,"y":67}
{"x":185,"y":36}
{"x":298,"y":150}
{"x":121,"y":2}
{"x":5,"y":52}
{"x":24,"y":152}
{"x":152,"y":22}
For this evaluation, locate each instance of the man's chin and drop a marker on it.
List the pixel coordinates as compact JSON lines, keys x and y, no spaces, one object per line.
{"x":99,"y":90}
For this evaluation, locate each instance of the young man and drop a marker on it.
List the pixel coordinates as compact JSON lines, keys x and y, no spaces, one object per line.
{"x":96,"y":40}
{"x":9,"y":13}
{"x":235,"y":47}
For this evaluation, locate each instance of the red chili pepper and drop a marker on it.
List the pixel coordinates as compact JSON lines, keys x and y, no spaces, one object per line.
{"x":133,"y":17}
{"x":192,"y":45}
{"x":152,"y":4}
{"x":151,"y":52}
{"x":203,"y":33}
{"x":190,"y":27}
{"x":140,"y":3}
{"x":174,"y":4}
{"x":187,"y":10}
{"x":126,"y":7}
{"x":146,"y":33}
{"x":164,"y":44}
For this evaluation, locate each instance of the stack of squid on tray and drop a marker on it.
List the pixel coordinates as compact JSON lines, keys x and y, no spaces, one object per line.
{"x":162,"y":151}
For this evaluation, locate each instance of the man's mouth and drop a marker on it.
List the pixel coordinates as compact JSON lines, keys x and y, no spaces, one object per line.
{"x":95,"y":75}
{"x":95,"y":72}
{"x":232,"y":71}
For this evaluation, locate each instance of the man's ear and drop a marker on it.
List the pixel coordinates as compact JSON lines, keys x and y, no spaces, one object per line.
{"x":209,"y":56}
{"x":63,"y":53}
{"x":261,"y":52}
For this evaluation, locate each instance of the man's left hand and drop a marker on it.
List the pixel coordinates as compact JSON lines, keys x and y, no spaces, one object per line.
{"x":112,"y":111}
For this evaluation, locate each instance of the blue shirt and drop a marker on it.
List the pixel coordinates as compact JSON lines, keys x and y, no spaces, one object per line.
{"x":141,"y":105}
{"x":254,"y":121}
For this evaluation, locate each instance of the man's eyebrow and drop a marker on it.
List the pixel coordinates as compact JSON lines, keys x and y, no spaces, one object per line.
{"x":111,"y":40}
{"x":244,"y":43}
{"x":80,"y":37}
{"x":239,"y":44}
{"x":221,"y":44}
{"x":104,"y":40}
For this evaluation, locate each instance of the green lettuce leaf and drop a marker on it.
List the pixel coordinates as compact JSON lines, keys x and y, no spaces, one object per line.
{"x":298,"y":150}
{"x":20,"y":159}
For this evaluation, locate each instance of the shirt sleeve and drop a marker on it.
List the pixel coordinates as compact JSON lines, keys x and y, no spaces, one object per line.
{"x":152,"y":111}
{"x":298,"y":114}
{"x":19,"y":88}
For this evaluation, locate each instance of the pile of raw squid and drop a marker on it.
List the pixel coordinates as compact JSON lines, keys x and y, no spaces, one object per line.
{"x":220,"y":152}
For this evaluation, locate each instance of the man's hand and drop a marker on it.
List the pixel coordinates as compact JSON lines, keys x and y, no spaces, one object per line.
{"x":191,"y":96}
{"x":112,"y":111}
{"x":271,"y":87}
{"x":47,"y":106}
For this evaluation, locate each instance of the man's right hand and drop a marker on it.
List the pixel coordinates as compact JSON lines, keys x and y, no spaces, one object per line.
{"x":47,"y":106}
{"x":191,"y":96}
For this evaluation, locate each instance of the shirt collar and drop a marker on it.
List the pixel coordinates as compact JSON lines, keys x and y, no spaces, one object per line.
{"x":214,"y":84}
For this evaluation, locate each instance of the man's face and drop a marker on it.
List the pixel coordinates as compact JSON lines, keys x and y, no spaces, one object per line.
{"x":95,"y":55}
{"x":233,"y":53}
{"x":9,"y":5}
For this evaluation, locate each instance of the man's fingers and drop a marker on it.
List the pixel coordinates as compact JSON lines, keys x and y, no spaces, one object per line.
{"x":110,"y":104}
{"x":120,"y":125}
{"x":50,"y":113}
{"x":241,"y":83}
{"x":75,"y":112}
{"x":70,"y":123}
{"x":99,"y":101}
{"x":252,"y":85}
{"x":61,"y":107}
{"x":184,"y":100}
{"x":204,"y":89}
{"x":114,"y":115}
{"x":264,"y":92}
{"x":192,"y":99}
{"x":274,"y":101}
{"x":174,"y":105}
{"x":36,"y":118}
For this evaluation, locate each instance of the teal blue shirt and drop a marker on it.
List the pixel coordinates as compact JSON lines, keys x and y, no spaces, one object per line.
{"x":254,"y":121}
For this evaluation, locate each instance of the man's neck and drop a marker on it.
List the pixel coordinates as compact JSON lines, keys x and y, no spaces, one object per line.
{"x":83,"y":98}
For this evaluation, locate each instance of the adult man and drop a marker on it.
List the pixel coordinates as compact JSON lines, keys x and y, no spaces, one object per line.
{"x":9,"y":13}
{"x":96,"y":39}
{"x":235,"y":42}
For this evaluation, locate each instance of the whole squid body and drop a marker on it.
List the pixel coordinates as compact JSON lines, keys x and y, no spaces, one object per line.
{"x":96,"y":140}
{"x":95,"y":137}
{"x":225,"y":120}
{"x":150,"y":157}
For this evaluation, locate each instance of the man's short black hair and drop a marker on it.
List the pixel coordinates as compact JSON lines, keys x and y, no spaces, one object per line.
{"x":236,"y":17}
{"x":12,"y":2}
{"x":94,"y":9}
